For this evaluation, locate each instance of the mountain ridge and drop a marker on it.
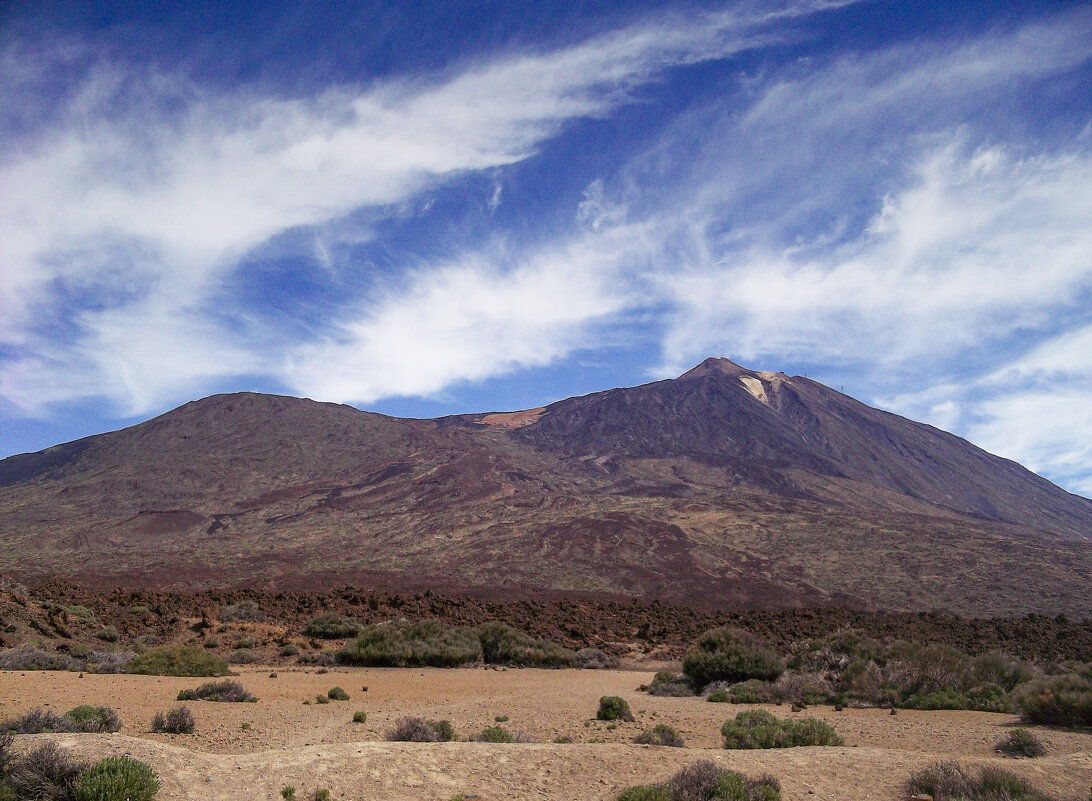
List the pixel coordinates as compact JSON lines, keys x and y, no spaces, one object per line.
{"x":725,"y":485}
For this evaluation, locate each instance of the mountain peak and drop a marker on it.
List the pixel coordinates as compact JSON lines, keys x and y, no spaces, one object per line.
{"x":715,"y":365}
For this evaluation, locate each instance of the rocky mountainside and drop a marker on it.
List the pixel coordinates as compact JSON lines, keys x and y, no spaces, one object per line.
{"x":722,"y":487}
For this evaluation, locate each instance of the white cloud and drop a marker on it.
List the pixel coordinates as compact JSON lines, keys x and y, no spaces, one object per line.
{"x":184,"y":182}
{"x":470,"y":320}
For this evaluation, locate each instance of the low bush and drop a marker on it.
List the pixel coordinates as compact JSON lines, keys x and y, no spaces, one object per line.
{"x":178,"y":660}
{"x":503,"y":645}
{"x":1064,"y":700}
{"x":119,"y":778}
{"x":332,"y":626}
{"x":757,"y":728}
{"x":660,"y":734}
{"x":718,"y":697}
{"x":404,"y":644}
{"x":27,"y":657}
{"x":950,"y":781}
{"x":243,"y":656}
{"x":494,"y":734}
{"x":320,"y":659}
{"x":39,"y":721}
{"x":705,"y":781}
{"x":46,"y":773}
{"x":670,"y":685}
{"x":94,"y":718}
{"x":337,"y":694}
{"x":360,"y":716}
{"x":242,"y":612}
{"x":108,"y":634}
{"x":289,"y":650}
{"x":802,"y":688}
{"x":178,"y":720}
{"x":752,"y":691}
{"x":594,"y":659}
{"x":728,"y":654}
{"x":1021,"y":743}
{"x":613,"y":707}
{"x":224,"y":690}
{"x":109,"y":661}
{"x":419,"y":730}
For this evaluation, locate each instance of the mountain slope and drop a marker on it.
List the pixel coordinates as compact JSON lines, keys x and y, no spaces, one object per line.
{"x":723,"y":487}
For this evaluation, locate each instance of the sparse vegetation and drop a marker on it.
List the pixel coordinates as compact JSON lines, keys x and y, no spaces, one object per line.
{"x":729,"y":654}
{"x":178,"y":720}
{"x":360,"y":716}
{"x":419,"y":730}
{"x":178,"y":660}
{"x":950,"y":781}
{"x":94,"y":718}
{"x":705,"y":781}
{"x":84,"y":718}
{"x":243,"y":656}
{"x":29,"y":657}
{"x":497,"y":734}
{"x":757,"y":728}
{"x":613,"y":707}
{"x":660,"y":734}
{"x":337,"y":694}
{"x":1021,"y":743}
{"x":224,"y":690}
{"x":594,"y":659}
{"x":242,"y":612}
{"x":45,"y":772}
{"x":108,"y":634}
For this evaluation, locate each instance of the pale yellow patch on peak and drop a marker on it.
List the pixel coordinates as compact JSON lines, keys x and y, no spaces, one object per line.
{"x":755,"y":387}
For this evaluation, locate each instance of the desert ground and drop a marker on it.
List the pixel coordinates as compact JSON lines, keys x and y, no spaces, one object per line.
{"x":313,"y":746}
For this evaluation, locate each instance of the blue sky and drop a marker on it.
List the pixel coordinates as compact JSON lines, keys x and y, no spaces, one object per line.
{"x":477,"y":206}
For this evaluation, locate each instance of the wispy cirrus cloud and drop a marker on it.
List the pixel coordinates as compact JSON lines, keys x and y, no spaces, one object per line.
{"x":123,"y":213}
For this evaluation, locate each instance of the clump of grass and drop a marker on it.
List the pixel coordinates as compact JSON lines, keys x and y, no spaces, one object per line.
{"x":178,"y":720}
{"x":498,"y":734}
{"x":321,"y":699}
{"x":705,"y":781}
{"x":730,"y":654}
{"x":360,"y":716}
{"x":717,"y":697}
{"x":337,"y":694}
{"x":660,"y":734}
{"x":757,"y":728}
{"x":332,"y":626}
{"x":119,"y":778}
{"x":288,"y":793}
{"x":500,"y":719}
{"x":108,"y":634}
{"x":289,"y":650}
{"x":178,"y":660}
{"x":670,"y":685}
{"x":224,"y":690}
{"x":419,"y":730}
{"x":950,"y":781}
{"x":1021,"y":743}
{"x":613,"y":707}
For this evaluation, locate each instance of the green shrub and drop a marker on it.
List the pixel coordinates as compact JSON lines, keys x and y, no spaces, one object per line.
{"x":718,"y":697}
{"x":178,"y":660}
{"x":337,"y":694}
{"x":989,"y":698}
{"x":733,"y":655}
{"x":225,"y":690}
{"x":495,"y":734}
{"x":211,"y":643}
{"x":243,"y":656}
{"x":613,"y":707}
{"x":178,"y":720}
{"x":360,"y":716}
{"x":289,"y":650}
{"x":288,"y":793}
{"x":321,"y":699}
{"x":94,"y":718}
{"x":1064,"y":700}
{"x":444,"y":730}
{"x":108,"y":634}
{"x":660,"y":734}
{"x":404,"y":644}
{"x":38,"y":721}
{"x":670,"y":685}
{"x":1001,"y":670}
{"x":27,"y":657}
{"x":117,"y":779}
{"x":332,"y":626}
{"x":950,"y":781}
{"x":503,"y":645}
{"x":941,"y":699}
{"x":80,"y":614}
{"x":1021,"y":743}
{"x":752,"y":691}
{"x":645,"y":793}
{"x":757,"y":728}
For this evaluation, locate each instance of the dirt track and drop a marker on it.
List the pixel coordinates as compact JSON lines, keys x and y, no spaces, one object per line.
{"x":312,"y":746}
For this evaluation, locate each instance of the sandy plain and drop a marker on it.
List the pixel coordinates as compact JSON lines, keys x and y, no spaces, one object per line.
{"x":312,"y":746}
